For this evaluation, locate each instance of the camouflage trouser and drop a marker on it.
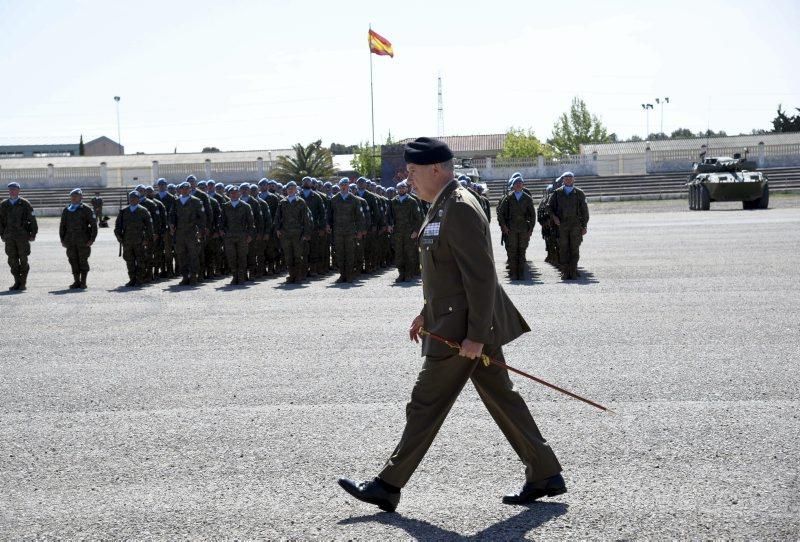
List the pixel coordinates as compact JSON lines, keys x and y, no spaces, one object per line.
{"x":404,"y":252}
{"x":516,"y":246}
{"x":213,"y":251}
{"x":569,"y":242}
{"x":168,"y":254}
{"x":135,"y":256}
{"x":359,"y":255}
{"x":371,"y":250}
{"x":236,"y":253}
{"x":78,"y":255}
{"x":294,"y":253}
{"x":18,"y":250}
{"x":272,"y":250}
{"x":345,"y":249}
{"x":317,"y":251}
{"x":252,"y":256}
{"x":187,"y":253}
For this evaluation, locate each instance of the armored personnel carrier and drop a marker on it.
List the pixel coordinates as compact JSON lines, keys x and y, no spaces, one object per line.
{"x":727,"y":179}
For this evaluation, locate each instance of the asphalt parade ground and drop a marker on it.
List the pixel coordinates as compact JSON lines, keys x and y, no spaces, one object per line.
{"x":229,"y":412}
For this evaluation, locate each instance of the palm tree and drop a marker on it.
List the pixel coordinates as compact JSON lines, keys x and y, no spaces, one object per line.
{"x":313,"y":161}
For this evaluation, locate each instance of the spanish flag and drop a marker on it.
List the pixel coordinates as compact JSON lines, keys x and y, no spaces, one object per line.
{"x":380,"y":45}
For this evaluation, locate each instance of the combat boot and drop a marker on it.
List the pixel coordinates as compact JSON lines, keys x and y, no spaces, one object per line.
{"x":75,"y":283}
{"x":82,"y":283}
{"x":235,"y":280}
{"x":15,"y":286}
{"x":23,"y":280}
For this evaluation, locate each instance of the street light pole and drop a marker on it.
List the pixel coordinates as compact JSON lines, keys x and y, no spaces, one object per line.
{"x":662,"y":101}
{"x":119,"y":137}
{"x":647,"y":108}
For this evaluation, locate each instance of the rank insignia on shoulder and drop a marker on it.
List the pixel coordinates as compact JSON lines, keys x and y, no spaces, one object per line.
{"x":441,"y":213}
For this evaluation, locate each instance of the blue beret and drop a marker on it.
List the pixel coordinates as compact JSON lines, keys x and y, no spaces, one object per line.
{"x":140,"y":187}
{"x":148,"y":187}
{"x":76,"y":191}
{"x":191,"y":178}
{"x":201,"y":183}
{"x":161,"y":181}
{"x":134,"y":194}
{"x":184,"y":184}
{"x":219,"y":185}
{"x":568,"y":174}
{"x":232,"y":187}
{"x":426,"y":150}
{"x":344,"y":180}
{"x":273,"y":182}
{"x":290,"y":184}
{"x":362,"y":180}
{"x":263,"y":182}
{"x":14,"y":185}
{"x":244,"y":186}
{"x":464,"y":177}
{"x":353,"y":185}
{"x":170,"y":185}
{"x":327,"y":184}
{"x":306,"y":178}
{"x":402,"y":184}
{"x":516,"y":174}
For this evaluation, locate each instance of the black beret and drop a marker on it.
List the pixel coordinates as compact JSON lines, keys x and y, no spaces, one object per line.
{"x":426,"y":150}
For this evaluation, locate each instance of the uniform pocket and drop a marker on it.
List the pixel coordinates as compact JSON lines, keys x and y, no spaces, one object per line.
{"x":449,"y":304}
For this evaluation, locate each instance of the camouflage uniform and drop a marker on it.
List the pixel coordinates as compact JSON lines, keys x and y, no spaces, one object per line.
{"x":77,"y":231}
{"x":189,"y":221}
{"x":237,"y":226}
{"x":18,"y":228}
{"x":293,"y":221}
{"x":405,"y":218}
{"x":517,"y":215}
{"x":573,"y":214}
{"x":134,"y":229}
{"x":346,"y":220}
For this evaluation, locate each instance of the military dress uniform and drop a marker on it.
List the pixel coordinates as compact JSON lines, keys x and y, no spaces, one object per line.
{"x":405,"y":217}
{"x":293,"y":221}
{"x":18,"y":227}
{"x":134,"y":229}
{"x":346,"y":221}
{"x":188,"y":221}
{"x":237,"y":226}
{"x":573,"y":215}
{"x":517,"y":215}
{"x":77,"y":231}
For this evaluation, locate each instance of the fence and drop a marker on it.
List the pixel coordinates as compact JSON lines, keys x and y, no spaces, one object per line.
{"x":539,"y":167}
{"x":51,"y":177}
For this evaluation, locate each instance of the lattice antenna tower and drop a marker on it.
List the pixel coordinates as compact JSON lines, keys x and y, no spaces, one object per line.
{"x":440,"y":110}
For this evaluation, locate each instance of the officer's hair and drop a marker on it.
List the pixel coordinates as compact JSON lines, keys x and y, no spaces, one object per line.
{"x":447,"y":166}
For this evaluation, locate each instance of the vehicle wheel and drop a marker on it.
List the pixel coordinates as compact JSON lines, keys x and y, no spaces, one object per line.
{"x":694,"y":197}
{"x":747,"y":205}
{"x":763,"y":201}
{"x":691,"y":198}
{"x":705,"y":199}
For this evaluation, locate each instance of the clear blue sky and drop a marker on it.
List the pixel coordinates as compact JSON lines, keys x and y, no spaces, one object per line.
{"x":267,"y":74}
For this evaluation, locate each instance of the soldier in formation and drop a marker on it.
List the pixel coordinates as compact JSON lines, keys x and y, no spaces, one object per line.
{"x":189,"y":227}
{"x":237,"y":231}
{"x":405,"y":218}
{"x":516,"y":215}
{"x":347,"y":226}
{"x":293,"y":226}
{"x":570,"y":213}
{"x":77,"y":231}
{"x":134,"y":231}
{"x":548,"y":228}
{"x":18,"y":229}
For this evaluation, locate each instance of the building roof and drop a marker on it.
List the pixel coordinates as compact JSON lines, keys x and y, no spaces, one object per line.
{"x":636,"y":147}
{"x":470,"y":143}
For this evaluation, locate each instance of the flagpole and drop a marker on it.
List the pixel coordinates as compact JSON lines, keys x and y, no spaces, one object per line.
{"x":372,"y":109}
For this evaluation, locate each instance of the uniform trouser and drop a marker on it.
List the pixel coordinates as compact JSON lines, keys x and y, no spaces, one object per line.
{"x":326,"y":253}
{"x":264,"y":256}
{"x":169,"y":256}
{"x":359,"y":254}
{"x":236,"y":252}
{"x":404,"y":248}
{"x":294,"y":253}
{"x":212,"y":254}
{"x":516,"y":245}
{"x":316,"y":249}
{"x":345,"y":249}
{"x":78,"y":256}
{"x":252,"y":256}
{"x":135,"y":256}
{"x":370,"y":250}
{"x":187,"y":253}
{"x":18,"y":250}
{"x":569,"y":242}
{"x":438,"y":385}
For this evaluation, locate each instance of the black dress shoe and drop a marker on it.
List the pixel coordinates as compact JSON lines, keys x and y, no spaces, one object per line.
{"x":372,"y":492}
{"x":531,"y":491}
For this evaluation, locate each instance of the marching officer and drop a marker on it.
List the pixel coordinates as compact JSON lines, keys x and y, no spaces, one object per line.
{"x":465,"y":304}
{"x":134,"y":230}
{"x":293,"y":226}
{"x":18,"y":229}
{"x":571,"y":214}
{"x":78,"y":230}
{"x":517,"y":217}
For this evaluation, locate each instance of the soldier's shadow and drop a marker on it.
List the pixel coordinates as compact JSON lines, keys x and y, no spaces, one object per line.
{"x":513,"y":528}
{"x":125,"y":289}
{"x":586,"y":277}
{"x":177,"y":288}
{"x":291,"y":286}
{"x":233,"y":287}
{"x":11,"y":292}
{"x":66,"y":291}
{"x":346,"y":285}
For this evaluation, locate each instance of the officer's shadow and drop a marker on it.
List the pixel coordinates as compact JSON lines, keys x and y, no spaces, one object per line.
{"x":586,"y":277}
{"x":513,"y":528}
{"x":66,"y":291}
{"x":12,"y":292}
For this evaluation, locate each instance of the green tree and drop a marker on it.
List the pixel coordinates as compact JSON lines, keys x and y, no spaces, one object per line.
{"x":520,"y":143}
{"x":682,"y":133}
{"x":785,"y":123}
{"x":367,"y":159}
{"x":210,"y":149}
{"x":338,"y":148}
{"x":576,"y":127}
{"x":81,"y":148}
{"x":311,"y":160}
{"x":657,"y":136}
